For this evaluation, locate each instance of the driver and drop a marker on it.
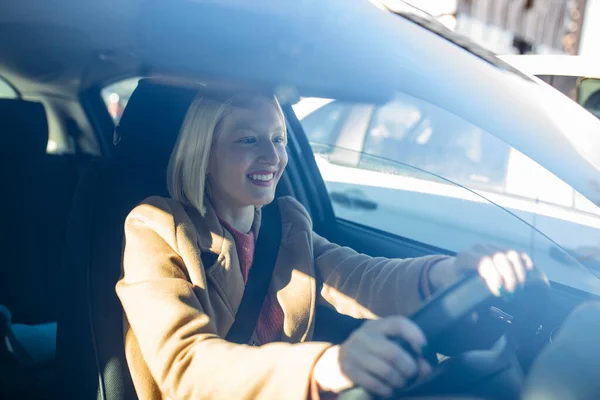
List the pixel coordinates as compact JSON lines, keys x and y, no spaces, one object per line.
{"x":227,"y":161}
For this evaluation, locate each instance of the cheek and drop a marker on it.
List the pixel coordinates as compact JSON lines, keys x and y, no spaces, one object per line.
{"x":283,"y":156}
{"x":235,"y":166}
{"x":227,"y":162}
{"x":231,"y":169}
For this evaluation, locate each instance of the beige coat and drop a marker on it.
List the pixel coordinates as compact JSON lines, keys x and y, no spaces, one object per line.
{"x":177,"y":311}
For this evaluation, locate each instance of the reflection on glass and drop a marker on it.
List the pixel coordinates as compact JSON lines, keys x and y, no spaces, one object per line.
{"x":427,"y":208}
{"x":412,"y":169}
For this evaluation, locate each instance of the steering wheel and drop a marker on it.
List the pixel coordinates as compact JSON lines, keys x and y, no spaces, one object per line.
{"x":453,"y":305}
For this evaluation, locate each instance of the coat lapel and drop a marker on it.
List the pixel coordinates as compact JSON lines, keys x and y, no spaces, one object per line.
{"x":293,"y":276}
{"x":225,"y":273}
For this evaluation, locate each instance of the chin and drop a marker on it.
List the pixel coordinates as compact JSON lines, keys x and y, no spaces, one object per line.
{"x":263,"y":200}
{"x":259,"y":196}
{"x":267,"y":200}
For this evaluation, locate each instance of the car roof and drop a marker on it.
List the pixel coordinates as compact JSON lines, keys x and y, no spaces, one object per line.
{"x":61,"y":45}
{"x":561,"y":65}
{"x":58,"y":46}
{"x":341,"y":49}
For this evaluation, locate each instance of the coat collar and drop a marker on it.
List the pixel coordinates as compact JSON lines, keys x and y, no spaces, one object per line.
{"x":225,"y":272}
{"x":293,"y":277}
{"x":211,"y":234}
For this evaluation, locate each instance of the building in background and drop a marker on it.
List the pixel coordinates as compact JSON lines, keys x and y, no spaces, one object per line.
{"x":523,"y":26}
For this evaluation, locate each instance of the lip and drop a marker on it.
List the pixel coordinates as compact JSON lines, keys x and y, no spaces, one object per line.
{"x":262,"y":172}
{"x":262,"y":183}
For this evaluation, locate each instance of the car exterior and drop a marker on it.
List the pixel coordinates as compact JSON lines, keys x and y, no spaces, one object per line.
{"x":564,"y":73}
{"x":389,"y":166}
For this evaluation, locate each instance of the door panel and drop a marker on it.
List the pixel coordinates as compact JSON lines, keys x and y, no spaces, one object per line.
{"x":381,"y":244}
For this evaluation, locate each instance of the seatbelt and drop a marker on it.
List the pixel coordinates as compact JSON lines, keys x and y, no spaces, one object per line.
{"x":330,"y":326}
{"x":259,"y":277}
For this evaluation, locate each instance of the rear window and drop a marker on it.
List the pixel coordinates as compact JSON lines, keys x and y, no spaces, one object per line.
{"x":117,"y":95}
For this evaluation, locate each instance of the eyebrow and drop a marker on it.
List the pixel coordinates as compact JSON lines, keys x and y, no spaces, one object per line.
{"x":241,"y":125}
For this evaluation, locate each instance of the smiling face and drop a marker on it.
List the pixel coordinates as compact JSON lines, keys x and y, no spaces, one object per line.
{"x":248,"y":156}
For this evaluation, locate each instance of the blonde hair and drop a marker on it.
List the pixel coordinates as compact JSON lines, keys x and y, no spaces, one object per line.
{"x":188,"y":165}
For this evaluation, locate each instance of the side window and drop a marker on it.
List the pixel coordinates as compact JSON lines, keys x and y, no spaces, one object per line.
{"x":117,"y":95}
{"x":323,"y":124}
{"x":427,"y":137}
{"x":6,"y":91}
{"x":424,"y":174}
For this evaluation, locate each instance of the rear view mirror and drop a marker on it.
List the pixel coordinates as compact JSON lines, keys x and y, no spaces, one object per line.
{"x":588,"y":94}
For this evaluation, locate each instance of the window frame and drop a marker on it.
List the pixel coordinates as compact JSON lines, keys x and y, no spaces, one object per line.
{"x":306,"y":177}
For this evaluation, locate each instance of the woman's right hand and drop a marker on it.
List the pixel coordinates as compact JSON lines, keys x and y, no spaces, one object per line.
{"x":371,"y":360}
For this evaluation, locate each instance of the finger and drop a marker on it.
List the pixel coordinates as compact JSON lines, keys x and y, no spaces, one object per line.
{"x":491,"y":276}
{"x":472,"y":258}
{"x":383,"y":371}
{"x":404,"y":328}
{"x":394,"y":355}
{"x":517,"y":265}
{"x":527,"y":261}
{"x":506,"y":271}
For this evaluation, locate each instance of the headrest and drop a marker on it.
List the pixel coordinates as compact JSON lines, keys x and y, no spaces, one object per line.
{"x":24,"y":127}
{"x":155,"y":112}
{"x":151,"y":122}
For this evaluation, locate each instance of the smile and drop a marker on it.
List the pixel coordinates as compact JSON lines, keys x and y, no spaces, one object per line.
{"x":261,"y":177}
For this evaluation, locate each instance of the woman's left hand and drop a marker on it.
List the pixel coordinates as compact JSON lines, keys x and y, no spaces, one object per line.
{"x":503,"y":270}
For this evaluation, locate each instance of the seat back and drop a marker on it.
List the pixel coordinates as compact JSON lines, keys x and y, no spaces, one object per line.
{"x":38,"y":189}
{"x":90,"y":350}
{"x":567,"y":367}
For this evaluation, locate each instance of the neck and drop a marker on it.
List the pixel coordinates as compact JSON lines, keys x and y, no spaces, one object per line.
{"x":241,"y":218}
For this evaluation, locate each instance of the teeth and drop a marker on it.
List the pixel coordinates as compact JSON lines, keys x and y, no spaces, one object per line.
{"x":261,"y":177}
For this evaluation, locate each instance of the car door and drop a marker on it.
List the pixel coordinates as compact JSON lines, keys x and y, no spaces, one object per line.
{"x":397,"y":190}
{"x":437,"y":145}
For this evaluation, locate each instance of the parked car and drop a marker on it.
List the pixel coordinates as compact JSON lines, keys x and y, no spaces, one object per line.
{"x":575,"y":76}
{"x":392,"y":162}
{"x":422,"y":143}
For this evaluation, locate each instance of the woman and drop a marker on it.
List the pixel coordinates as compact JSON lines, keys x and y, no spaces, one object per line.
{"x":226,"y":163}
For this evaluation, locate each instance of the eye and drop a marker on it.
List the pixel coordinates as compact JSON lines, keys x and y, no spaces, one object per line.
{"x":247,"y":140}
{"x":279,"y":139}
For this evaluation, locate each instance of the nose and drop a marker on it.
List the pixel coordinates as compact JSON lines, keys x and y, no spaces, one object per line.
{"x":269,"y":154}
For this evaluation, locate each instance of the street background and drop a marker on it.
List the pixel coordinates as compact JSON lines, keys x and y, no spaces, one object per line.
{"x":523,"y":26}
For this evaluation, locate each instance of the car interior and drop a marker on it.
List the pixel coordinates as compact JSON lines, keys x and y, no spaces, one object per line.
{"x":71,"y":174}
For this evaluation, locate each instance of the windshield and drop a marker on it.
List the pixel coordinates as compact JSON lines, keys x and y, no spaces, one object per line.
{"x":427,"y":21}
{"x":433,"y":177}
